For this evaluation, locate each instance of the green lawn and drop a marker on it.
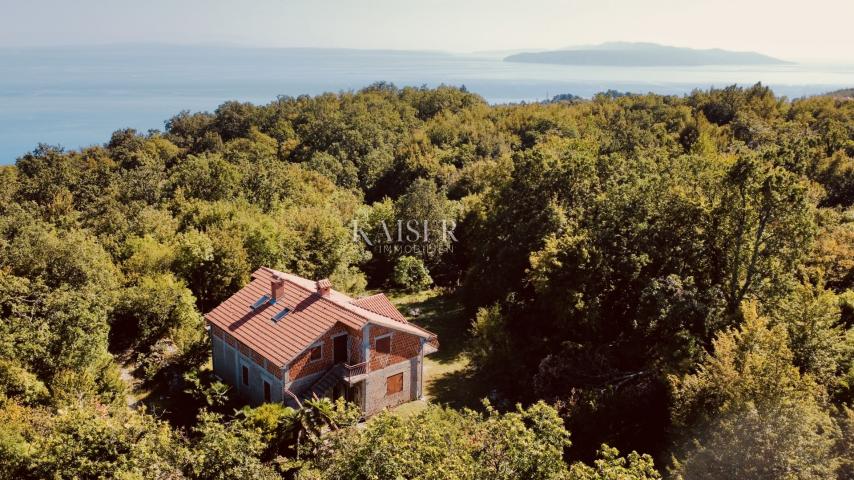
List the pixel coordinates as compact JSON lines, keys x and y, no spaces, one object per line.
{"x":447,"y":377}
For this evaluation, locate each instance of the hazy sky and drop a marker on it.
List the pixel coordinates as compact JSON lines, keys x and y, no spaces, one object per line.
{"x":819,"y":29}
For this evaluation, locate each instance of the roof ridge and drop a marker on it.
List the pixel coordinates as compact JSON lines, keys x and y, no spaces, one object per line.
{"x":366,"y":297}
{"x":344,"y":307}
{"x":280,"y":342}
{"x":379,"y":294}
{"x":380,"y":303}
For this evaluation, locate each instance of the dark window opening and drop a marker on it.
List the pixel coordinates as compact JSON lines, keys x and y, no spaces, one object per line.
{"x":316,"y":353}
{"x":394,"y":384}
{"x":266,"y":391}
{"x":245,"y":375}
{"x":383,"y":345}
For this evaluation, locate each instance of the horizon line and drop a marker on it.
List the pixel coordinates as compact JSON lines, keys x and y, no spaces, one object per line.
{"x":487,"y":52}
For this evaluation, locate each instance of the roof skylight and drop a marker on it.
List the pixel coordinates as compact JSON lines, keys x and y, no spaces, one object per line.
{"x":261,"y":301}
{"x":281,"y":314}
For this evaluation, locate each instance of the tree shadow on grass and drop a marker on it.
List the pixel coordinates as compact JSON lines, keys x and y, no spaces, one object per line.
{"x":443,"y":314}
{"x":453,"y":382}
{"x":461,"y":388}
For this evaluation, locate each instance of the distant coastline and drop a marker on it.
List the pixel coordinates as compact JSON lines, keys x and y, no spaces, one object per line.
{"x":623,"y":54}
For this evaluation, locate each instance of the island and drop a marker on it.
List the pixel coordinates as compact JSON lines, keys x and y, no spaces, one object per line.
{"x":628,"y":54}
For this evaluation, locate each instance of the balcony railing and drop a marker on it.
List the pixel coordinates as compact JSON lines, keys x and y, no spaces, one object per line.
{"x":351,"y":371}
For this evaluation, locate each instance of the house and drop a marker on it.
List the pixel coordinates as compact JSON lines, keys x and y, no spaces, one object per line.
{"x":283,"y":338}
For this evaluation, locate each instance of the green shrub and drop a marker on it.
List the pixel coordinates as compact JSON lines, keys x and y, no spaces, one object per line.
{"x":411,"y":275}
{"x":17,"y":382}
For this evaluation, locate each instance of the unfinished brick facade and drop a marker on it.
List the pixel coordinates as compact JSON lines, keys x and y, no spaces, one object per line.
{"x":403,"y":347}
{"x":302,"y":366}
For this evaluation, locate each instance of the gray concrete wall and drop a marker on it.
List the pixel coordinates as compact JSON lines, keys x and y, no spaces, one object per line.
{"x":375,"y":386}
{"x":228,"y":363}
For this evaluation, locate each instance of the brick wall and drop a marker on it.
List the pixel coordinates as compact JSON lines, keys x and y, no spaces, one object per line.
{"x":404,"y":346}
{"x":303,"y":366}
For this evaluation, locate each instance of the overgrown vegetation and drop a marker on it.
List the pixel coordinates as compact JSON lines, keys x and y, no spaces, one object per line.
{"x":671,"y":276}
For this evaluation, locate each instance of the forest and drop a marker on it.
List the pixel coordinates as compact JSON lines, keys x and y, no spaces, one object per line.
{"x":654,"y":286}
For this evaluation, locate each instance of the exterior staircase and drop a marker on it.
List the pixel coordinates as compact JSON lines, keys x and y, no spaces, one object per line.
{"x":325,"y":383}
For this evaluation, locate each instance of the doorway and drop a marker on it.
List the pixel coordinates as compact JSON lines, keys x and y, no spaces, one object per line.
{"x":339,"y":349}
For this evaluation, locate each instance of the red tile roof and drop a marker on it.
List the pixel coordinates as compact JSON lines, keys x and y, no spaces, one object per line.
{"x":379,"y":303}
{"x":310,"y":317}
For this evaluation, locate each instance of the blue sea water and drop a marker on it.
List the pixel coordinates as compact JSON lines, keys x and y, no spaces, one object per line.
{"x":76,"y":97}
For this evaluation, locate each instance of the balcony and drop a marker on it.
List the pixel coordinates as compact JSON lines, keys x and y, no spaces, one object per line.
{"x":355,"y":373}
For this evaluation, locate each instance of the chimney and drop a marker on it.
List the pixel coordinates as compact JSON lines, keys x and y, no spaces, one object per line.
{"x":277,"y":287}
{"x":324,"y":286}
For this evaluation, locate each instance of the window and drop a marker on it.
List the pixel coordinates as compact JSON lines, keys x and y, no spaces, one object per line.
{"x":281,"y":314}
{"x":261,"y":301}
{"x":245,"y":373}
{"x":316,"y":353}
{"x":383,"y":344}
{"x":394,"y":384}
{"x":266,"y":391}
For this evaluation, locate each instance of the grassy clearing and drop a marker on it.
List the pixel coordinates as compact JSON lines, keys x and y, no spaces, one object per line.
{"x":448,"y":378}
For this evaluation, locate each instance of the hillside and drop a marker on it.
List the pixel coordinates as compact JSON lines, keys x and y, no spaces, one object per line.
{"x":846,"y":93}
{"x":643,"y":55}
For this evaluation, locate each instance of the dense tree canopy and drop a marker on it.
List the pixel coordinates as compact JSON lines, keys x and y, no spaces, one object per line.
{"x":673,"y":275}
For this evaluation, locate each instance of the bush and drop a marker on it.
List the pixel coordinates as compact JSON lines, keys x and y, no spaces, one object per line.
{"x":206,"y":389}
{"x":411,"y":275}
{"x":156,"y":307}
{"x":445,"y":443}
{"x":17,"y":382}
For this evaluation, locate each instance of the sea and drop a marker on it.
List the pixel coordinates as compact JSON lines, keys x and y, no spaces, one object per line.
{"x":77,"y":96}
